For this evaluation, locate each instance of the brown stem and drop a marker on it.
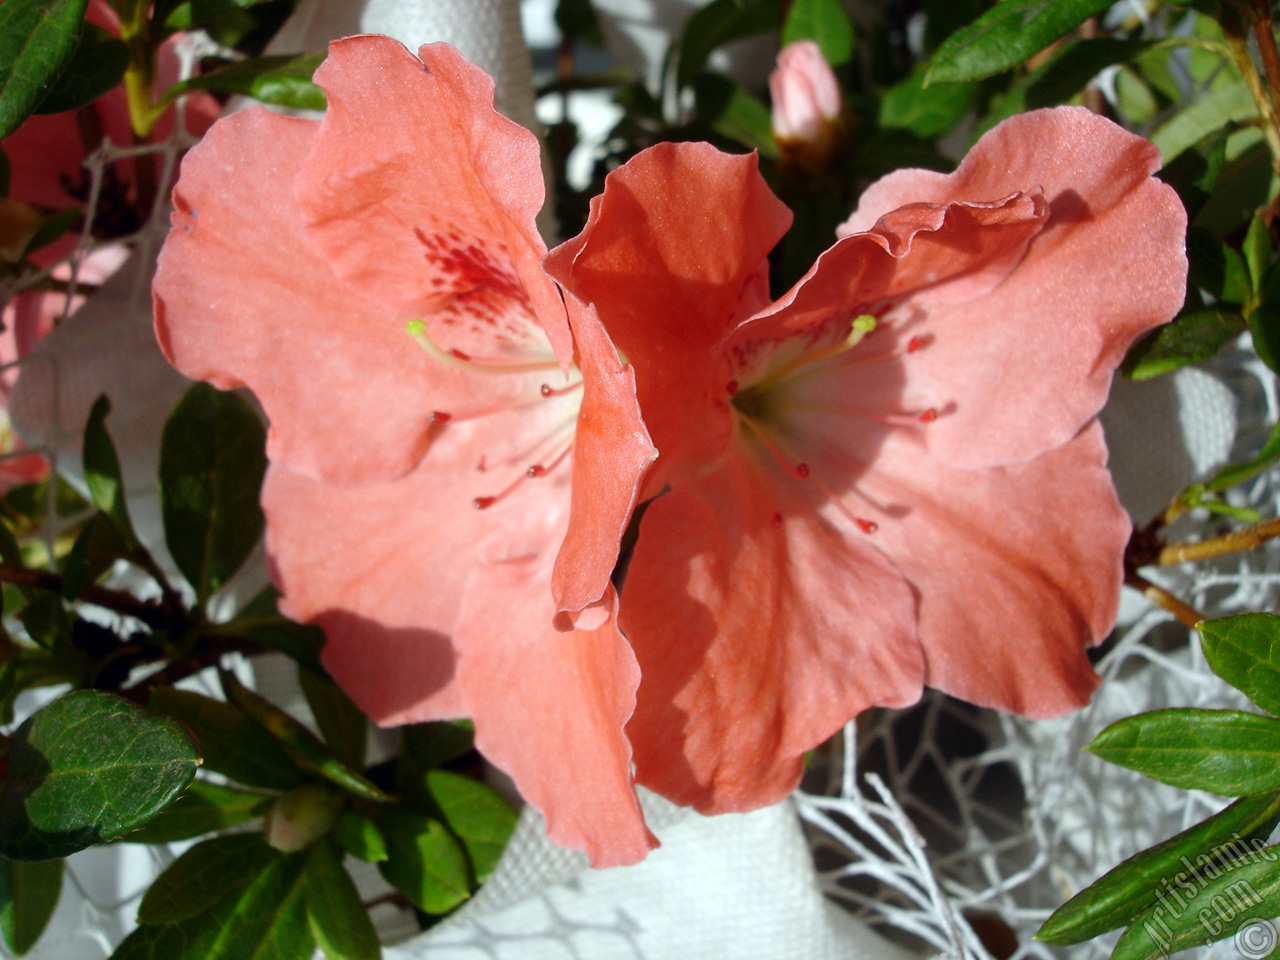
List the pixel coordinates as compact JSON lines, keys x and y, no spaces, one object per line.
{"x":1236,"y":33}
{"x":121,"y":602}
{"x":209,"y":652}
{"x":1161,"y":597}
{"x":1265,"y":33}
{"x":1247,"y":539}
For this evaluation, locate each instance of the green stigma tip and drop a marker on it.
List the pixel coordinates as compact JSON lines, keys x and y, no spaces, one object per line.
{"x":415,"y":328}
{"x":865,"y":323}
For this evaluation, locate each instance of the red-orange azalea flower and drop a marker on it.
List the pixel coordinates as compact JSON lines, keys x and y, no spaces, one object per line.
{"x":892,"y":476}
{"x":419,"y":492}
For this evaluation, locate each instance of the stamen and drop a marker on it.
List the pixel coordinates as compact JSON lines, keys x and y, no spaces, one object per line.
{"x":915,"y":343}
{"x":549,"y":391}
{"x":539,"y":470}
{"x":462,"y":361}
{"x":867,"y":526}
{"x":862,"y":325}
{"x":892,"y":419}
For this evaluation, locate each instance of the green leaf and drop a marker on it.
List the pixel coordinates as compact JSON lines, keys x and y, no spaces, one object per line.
{"x":826,"y":23}
{"x":716,"y":24}
{"x":1129,"y":888}
{"x":1075,"y":64}
{"x":230,"y":742}
{"x":264,"y":919}
{"x":1195,"y":171}
{"x":1204,"y":903}
{"x":1257,"y":251}
{"x":926,"y":112}
{"x":262,"y":622}
{"x":95,"y":550}
{"x":37,"y":39}
{"x":577,"y":20}
{"x":102,"y":468}
{"x":204,"y":875}
{"x":1264,"y":327}
{"x":424,"y":861}
{"x":52,"y":228}
{"x":188,"y":13}
{"x":1240,"y":472}
{"x":212,"y":461}
{"x":1217,"y":269}
{"x":1227,"y":752}
{"x":341,"y":723}
{"x":29,"y":894}
{"x":339,"y":922}
{"x":734,"y":113}
{"x":432,"y":744}
{"x":1006,"y":35}
{"x":85,"y":769}
{"x":1224,"y":105}
{"x":477,"y":815}
{"x":205,"y":808}
{"x":1245,"y":651}
{"x":1190,"y":338}
{"x":360,"y":836}
{"x":303,"y":746}
{"x":97,"y":66}
{"x":284,"y":81}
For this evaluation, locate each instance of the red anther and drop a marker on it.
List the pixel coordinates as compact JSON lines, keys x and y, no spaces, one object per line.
{"x":802,"y":470}
{"x":546,"y":390}
{"x":483,"y":502}
{"x":867,"y":526}
{"x":439,"y":416}
{"x":928,"y":416}
{"x":537,"y":470}
{"x":914,"y":344}
{"x":458,"y":354}
{"x":777,"y":519}
{"x":731,"y":388}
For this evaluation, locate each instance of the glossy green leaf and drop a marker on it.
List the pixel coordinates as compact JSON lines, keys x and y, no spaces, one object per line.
{"x":185,"y":14}
{"x":1206,"y":903}
{"x":1264,"y":328}
{"x":1190,"y":338}
{"x":716,"y":24}
{"x":97,"y":66}
{"x":344,"y":728}
{"x":88,"y":768}
{"x":205,"y":808}
{"x":102,"y":468}
{"x":263,"y":919}
{"x":432,"y":744}
{"x":734,"y":113}
{"x":230,"y":743}
{"x":1240,"y":472}
{"x":1244,"y":650}
{"x":927,"y":112}
{"x":96,"y":548}
{"x":1220,"y":107}
{"x":212,"y":461}
{"x":1257,"y":250}
{"x":477,"y":815}
{"x":1078,"y":62}
{"x":29,"y":894}
{"x":826,"y":23}
{"x":1217,"y":269}
{"x":283,"y":81}
{"x":262,"y":622}
{"x":1129,"y":888}
{"x":1006,"y":35}
{"x":1227,"y":752}
{"x":360,"y":836}
{"x":204,"y":875}
{"x":339,"y":921}
{"x":37,"y":39}
{"x":306,"y":749}
{"x":425,"y":862}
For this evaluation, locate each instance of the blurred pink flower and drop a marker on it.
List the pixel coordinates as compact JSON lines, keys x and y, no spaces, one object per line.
{"x":807,"y":107}
{"x":893,"y":475}
{"x":419,"y":493}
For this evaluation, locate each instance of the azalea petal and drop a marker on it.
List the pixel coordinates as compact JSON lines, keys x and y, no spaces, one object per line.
{"x":549,"y":709}
{"x":242,"y":296}
{"x":612,"y":451}
{"x":424,"y":197}
{"x":759,"y":630}
{"x":952,"y":252}
{"x":670,"y":250}
{"x":1023,"y":562}
{"x":1108,"y":266}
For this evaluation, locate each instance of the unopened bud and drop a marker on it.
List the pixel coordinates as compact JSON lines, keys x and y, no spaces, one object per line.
{"x":19,"y":222}
{"x":808,"y":108}
{"x":302,"y":816}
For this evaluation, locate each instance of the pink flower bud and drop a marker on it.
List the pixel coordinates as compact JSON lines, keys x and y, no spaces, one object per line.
{"x":301,"y":816}
{"x":806,"y":95}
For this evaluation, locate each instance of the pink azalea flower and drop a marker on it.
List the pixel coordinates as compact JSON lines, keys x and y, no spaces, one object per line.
{"x":893,"y":475}
{"x":419,"y":493}
{"x":806,"y":95}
